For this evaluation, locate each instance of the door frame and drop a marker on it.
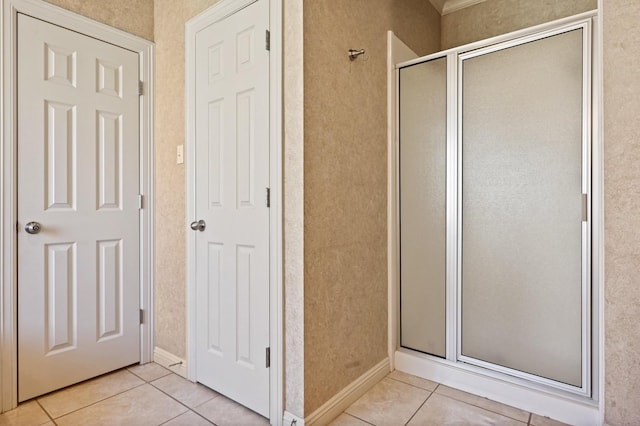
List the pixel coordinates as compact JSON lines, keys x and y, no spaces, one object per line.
{"x":8,"y":175}
{"x":216,"y":13}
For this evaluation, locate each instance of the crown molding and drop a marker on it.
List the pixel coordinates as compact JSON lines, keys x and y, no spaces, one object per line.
{"x":449,"y":6}
{"x":438,"y":5}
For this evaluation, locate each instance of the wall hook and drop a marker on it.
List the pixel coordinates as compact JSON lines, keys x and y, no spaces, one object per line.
{"x":353,"y":53}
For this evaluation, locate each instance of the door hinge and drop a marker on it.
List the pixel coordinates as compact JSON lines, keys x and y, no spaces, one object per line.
{"x":140,"y":88}
{"x":268,"y":197}
{"x":140,"y":201}
{"x":267,"y":39}
{"x":141,"y":316}
{"x":268,"y":357}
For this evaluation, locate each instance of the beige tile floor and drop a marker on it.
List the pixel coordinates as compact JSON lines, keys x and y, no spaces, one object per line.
{"x":152,"y":395}
{"x":402,"y":399}
{"x":139,"y":395}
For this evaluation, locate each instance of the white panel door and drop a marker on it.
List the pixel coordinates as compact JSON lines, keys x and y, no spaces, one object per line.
{"x":78,"y":174}
{"x":232,"y":174}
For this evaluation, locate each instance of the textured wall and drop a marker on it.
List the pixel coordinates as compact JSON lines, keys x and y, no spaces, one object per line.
{"x":294,"y":206}
{"x":135,"y":17}
{"x":622,"y":210}
{"x":495,"y":17}
{"x":170,"y":273}
{"x":345,"y":183}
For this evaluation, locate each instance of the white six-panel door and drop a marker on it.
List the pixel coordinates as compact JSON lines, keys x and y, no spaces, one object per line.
{"x":232,"y":176}
{"x":78,"y":177}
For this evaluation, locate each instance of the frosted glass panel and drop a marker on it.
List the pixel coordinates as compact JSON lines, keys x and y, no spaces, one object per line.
{"x":423,"y":105}
{"x":522,"y":208}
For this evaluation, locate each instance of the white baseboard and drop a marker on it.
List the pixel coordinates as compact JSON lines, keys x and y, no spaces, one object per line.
{"x":170,"y":361}
{"x":291,"y":420}
{"x":347,"y":396}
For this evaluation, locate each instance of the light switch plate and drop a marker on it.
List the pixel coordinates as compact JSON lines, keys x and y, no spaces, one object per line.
{"x":180,"y":154}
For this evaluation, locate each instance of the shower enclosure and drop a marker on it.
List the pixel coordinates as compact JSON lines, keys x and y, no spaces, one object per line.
{"x":494,"y":203}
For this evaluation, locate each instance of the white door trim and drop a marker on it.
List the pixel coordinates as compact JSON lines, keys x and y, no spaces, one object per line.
{"x":216,"y":13}
{"x":8,"y":175}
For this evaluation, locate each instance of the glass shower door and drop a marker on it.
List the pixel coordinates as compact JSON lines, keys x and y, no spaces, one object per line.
{"x":523,"y":213}
{"x":422,"y":206}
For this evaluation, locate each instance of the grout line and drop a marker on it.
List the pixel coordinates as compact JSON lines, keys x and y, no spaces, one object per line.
{"x":217,"y":395}
{"x":99,"y":401}
{"x":530,"y":417}
{"x":172,"y":418}
{"x":356,"y":417}
{"x":185,"y":405}
{"x":484,"y":408}
{"x":144,"y":382}
{"x":481,"y":407}
{"x":419,"y":408}
{"x":45,"y":411}
{"x":135,"y":387}
{"x":412,"y":385}
{"x":182,"y":414}
{"x":142,"y":378}
{"x":206,"y":419}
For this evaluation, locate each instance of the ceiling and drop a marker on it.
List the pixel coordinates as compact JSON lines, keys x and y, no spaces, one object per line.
{"x":448,"y":6}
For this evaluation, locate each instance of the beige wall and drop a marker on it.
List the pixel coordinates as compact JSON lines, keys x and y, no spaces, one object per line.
{"x":495,"y":17}
{"x":170,"y":273}
{"x":622,"y":211}
{"x":135,"y":17}
{"x":345,"y":181}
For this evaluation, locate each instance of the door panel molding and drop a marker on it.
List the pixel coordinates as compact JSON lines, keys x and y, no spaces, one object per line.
{"x":212,"y":15}
{"x":8,"y":173}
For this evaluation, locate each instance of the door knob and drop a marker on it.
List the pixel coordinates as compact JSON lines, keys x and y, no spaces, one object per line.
{"x":33,"y":227}
{"x":199,"y":225}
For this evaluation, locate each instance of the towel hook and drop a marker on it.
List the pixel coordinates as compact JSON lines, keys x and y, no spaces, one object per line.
{"x":353,"y":53}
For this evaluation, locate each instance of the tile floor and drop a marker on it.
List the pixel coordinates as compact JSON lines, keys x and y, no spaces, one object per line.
{"x":402,"y":399}
{"x":152,"y":395}
{"x":139,"y":395}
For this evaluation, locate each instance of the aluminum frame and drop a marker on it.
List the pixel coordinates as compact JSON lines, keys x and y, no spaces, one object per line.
{"x":590,"y":253}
